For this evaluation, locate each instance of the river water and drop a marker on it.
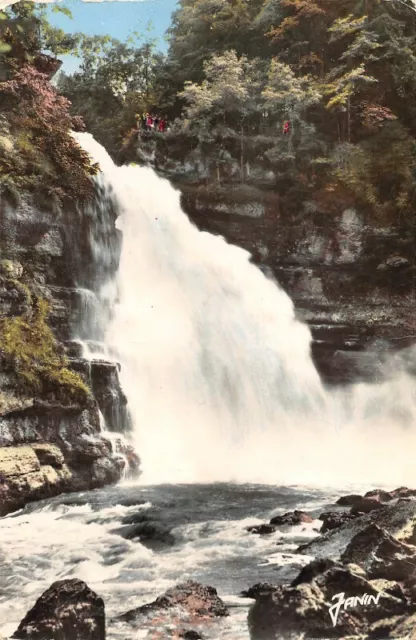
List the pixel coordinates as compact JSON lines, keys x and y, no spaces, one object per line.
{"x":79,"y":536}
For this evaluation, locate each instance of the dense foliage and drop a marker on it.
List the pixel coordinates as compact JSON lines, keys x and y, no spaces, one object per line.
{"x":41,"y":156}
{"x":38,"y":154}
{"x":115,"y":82}
{"x":342,"y":73}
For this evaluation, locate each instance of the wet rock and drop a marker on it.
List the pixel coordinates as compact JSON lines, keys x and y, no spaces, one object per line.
{"x":48,"y":454}
{"x":74,"y":349}
{"x":15,"y":461}
{"x":48,"y":449}
{"x":293,"y":612}
{"x":312,"y":570}
{"x":105,"y":384}
{"x":302,"y":607}
{"x":190,"y":635}
{"x":403,"y":627}
{"x":291,"y":518}
{"x":380,"y":495}
{"x":334,"y":519}
{"x":57,"y":260}
{"x":389,"y":586}
{"x":348,"y":501}
{"x":189,"y":600}
{"x":403,"y":492}
{"x":133,"y":460}
{"x":381,"y":555}
{"x":262,"y":529}
{"x":68,"y":610}
{"x":23,"y":478}
{"x":394,"y":262}
{"x":258,"y":590}
{"x":398,"y":520}
{"x":149,"y":534}
{"x":359,"y":504}
{"x":149,"y":527}
{"x":365,"y":505}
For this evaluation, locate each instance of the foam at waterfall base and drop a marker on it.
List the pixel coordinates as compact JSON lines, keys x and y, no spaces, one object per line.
{"x":217,"y":370}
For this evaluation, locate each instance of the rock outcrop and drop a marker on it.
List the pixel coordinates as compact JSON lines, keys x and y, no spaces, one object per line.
{"x":292,"y":518}
{"x":68,"y":610}
{"x":49,"y":450}
{"x":397,"y":519}
{"x":334,"y":519}
{"x":53,"y":255}
{"x":178,"y":611}
{"x":289,"y":519}
{"x":189,"y":599}
{"x":146,"y":530}
{"x":303,"y":607}
{"x":362,"y":583}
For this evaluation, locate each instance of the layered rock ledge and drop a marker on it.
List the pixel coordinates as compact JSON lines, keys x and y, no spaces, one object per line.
{"x":48,"y":450}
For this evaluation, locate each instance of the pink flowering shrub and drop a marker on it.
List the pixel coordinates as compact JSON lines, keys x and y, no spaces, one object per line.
{"x":45,"y":159}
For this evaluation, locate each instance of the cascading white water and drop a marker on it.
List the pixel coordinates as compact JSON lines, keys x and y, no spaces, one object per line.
{"x":217,"y":370}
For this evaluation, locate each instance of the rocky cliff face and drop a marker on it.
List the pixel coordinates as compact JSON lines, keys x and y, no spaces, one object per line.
{"x":350,"y":278}
{"x":51,"y":438}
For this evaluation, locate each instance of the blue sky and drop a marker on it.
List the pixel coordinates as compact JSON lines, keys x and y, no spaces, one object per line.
{"x":116,"y":18}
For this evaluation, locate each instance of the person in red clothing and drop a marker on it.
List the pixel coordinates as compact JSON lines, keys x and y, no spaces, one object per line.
{"x":286,"y":128}
{"x":161,"y":125}
{"x":149,"y":121}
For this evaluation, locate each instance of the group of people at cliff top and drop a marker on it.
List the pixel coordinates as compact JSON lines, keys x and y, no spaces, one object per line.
{"x":148,"y":122}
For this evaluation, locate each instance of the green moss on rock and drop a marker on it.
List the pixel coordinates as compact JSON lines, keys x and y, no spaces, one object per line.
{"x":30,"y":352}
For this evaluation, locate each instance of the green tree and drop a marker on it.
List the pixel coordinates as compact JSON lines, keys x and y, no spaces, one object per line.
{"x":223,"y":103}
{"x":115,"y":81}
{"x":25,"y":32}
{"x":289,"y":96}
{"x":349,"y":79}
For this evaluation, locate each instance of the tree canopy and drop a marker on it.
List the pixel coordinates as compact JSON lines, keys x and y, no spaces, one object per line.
{"x":343,"y":73}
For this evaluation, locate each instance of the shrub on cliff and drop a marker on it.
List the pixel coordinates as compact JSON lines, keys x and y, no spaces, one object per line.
{"x":30,"y":352}
{"x":43,"y":158}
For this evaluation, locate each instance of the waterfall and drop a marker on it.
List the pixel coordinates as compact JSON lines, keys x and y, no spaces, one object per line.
{"x":217,"y":369}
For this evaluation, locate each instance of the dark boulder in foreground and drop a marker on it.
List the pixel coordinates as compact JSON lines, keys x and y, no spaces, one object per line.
{"x":68,"y":610}
{"x":178,"y":611}
{"x":291,"y":518}
{"x":366,"y":561}
{"x":302,"y":607}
